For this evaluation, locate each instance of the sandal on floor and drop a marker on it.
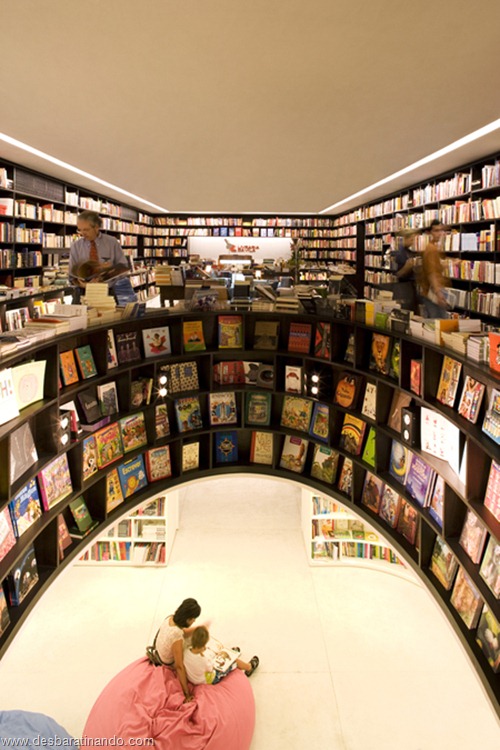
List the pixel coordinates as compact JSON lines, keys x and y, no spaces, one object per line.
{"x":236,"y":648}
{"x":254,"y":661}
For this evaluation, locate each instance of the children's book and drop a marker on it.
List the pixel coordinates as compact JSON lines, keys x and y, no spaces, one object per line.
{"x":437,"y":501}
{"x":266,"y":334}
{"x":23,"y":577}
{"x":132,"y":476}
{"x":261,"y":448}
{"x":4,"y":613}
{"x":23,"y":452}
{"x":84,"y":523}
{"x":7,"y":535}
{"x":223,"y":408}
{"x":258,"y":409}
{"x":299,"y":337}
{"x":294,"y":379}
{"x":373,"y":488}
{"x":158,"y":464}
{"x":490,"y":567}
{"x":86,"y":363}
{"x":320,"y":422}
{"x":420,"y":480}
{"x":112,"y":356}
{"x":390,"y":506}
{"x":108,"y":444}
{"x":229,"y":372}
{"x":89,"y":461}
{"x":226,"y":447}
{"x":368,"y":455}
{"x":408,"y":521}
{"x":67,"y":362}
{"x":416,"y":376}
{"x":395,"y":360}
{"x":181,"y":377}
{"x":25,"y":508}
{"x":265,"y":376}
{"x":380,"y":357}
{"x":443,"y":563}
{"x":296,"y":413}
{"x":192,"y":336}
{"x":250,"y":372}
{"x":369,"y":408}
{"x":108,"y":398}
{"x":399,"y":461}
{"x":491,"y":421}
{"x":114,"y":494}
{"x":293,"y":456}
{"x":190,"y":456}
{"x":323,"y":340}
{"x":127,"y":347}
{"x":494,"y":346}
{"x":471,"y":399}
{"x":352,"y":434}
{"x":466,"y":599}
{"x":347,"y":390}
{"x":448,"y":381}
{"x":63,"y":537}
{"x":488,"y":637}
{"x":399,"y":401}
{"x":492,"y":494}
{"x":133,"y":432}
{"x":140,"y":392}
{"x":162,"y":424}
{"x":324,"y":464}
{"x":230,"y":329}
{"x":188,"y":414}
{"x":55,"y":481}
{"x":473,"y":536}
{"x":8,"y":402}
{"x":345,"y":479}
{"x":350,"y":349}
{"x":89,"y":405}
{"x":156,"y":341}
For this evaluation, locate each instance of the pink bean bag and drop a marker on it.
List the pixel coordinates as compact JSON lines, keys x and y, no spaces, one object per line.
{"x":143,"y":702}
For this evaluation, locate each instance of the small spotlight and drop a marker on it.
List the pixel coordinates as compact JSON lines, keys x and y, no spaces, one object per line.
{"x":315,"y":378}
{"x":162,"y":392}
{"x":315,"y":390}
{"x":163,"y":380}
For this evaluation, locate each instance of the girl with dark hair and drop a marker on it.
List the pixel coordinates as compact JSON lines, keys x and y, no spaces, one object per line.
{"x":171,"y":637}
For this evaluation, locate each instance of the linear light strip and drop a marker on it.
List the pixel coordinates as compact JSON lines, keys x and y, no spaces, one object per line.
{"x":75,"y":170}
{"x":474,"y":136}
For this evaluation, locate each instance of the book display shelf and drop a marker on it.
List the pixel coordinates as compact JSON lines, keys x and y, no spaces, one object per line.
{"x":334,"y":404}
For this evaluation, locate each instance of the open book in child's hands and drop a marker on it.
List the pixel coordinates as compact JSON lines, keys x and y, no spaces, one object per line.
{"x":223,"y":657}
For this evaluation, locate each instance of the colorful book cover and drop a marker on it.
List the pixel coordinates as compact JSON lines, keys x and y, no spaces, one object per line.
{"x":226,"y":447}
{"x":380,"y":357}
{"x":294,"y":453}
{"x":25,"y":508}
{"x":190,"y":456}
{"x":368,"y":455}
{"x":156,"y":341}
{"x":390,"y":506}
{"x":229,"y":372}
{"x":4,"y":613}
{"x":399,"y":461}
{"x":127,"y":347}
{"x":192,"y":336}
{"x":230,"y":331}
{"x":86,"y":363}
{"x":471,"y":399}
{"x":466,"y":599}
{"x":8,"y":402}
{"x":347,"y":390}
{"x":320,"y":422}
{"x":492,"y":494}
{"x":84,"y":523}
{"x":7,"y":535}
{"x":490,"y":567}
{"x":443,"y":563}
{"x":133,"y":432}
{"x":23,"y":453}
{"x":369,"y":408}
{"x":223,"y":408}
{"x":55,"y":481}
{"x":448,"y":381}
{"x":296,"y":413}
{"x":108,"y":398}
{"x":67,"y":363}
{"x":89,"y":461}
{"x":294,"y":379}
{"x":352,"y":434}
{"x":258,"y":409}
{"x":488,"y":637}
{"x":158,"y":464}
{"x":436,"y":505}
{"x":416,"y":376}
{"x":23,"y":577}
{"x":188,"y":414}
{"x":373,"y":488}
{"x":140,"y":392}
{"x":299,"y":337}
{"x":323,"y":340}
{"x":112,"y":357}
{"x":408,"y":522}
{"x":324,"y":464}
{"x":261,"y":448}
{"x":132,"y":476}
{"x":162,"y":424}
{"x":395,"y":361}
{"x":108,"y":444}
{"x":494,"y":341}
{"x":473,"y":536}
{"x":491,"y":421}
{"x":187,"y":372}
{"x":419,"y":480}
{"x":114,"y":494}
{"x":345,"y":478}
{"x":266,"y":334}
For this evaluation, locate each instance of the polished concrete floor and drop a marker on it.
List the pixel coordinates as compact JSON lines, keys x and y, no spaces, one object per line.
{"x":351,"y":658}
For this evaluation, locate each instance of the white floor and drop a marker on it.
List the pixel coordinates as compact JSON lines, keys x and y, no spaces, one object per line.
{"x":351,"y":659}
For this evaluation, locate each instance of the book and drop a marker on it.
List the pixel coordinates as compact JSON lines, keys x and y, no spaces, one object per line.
{"x":494,"y":355}
{"x":492,"y":494}
{"x":70,"y":411}
{"x":108,"y":398}
{"x":28,"y":381}
{"x":226,"y":447}
{"x":190,"y":456}
{"x":22,"y":452}
{"x":67,"y":364}
{"x":89,"y":459}
{"x":369,"y":408}
{"x":299,"y":337}
{"x":350,"y":349}
{"x":448,"y":381}
{"x":471,"y":399}
{"x":230,"y":331}
{"x":140,"y":392}
{"x":296,"y":413}
{"x":490,"y":566}
{"x":266,"y":334}
{"x":258,"y":408}
{"x":368,"y":455}
{"x":132,"y":476}
{"x":320,"y":422}
{"x":8,"y":402}
{"x":181,"y":377}
{"x":408,"y":522}
{"x":156,"y":341}
{"x":7,"y":535}
{"x":192,"y":336}
{"x":25,"y":508}
{"x":223,"y":408}
{"x":419,"y":480}
{"x":127,"y":347}
{"x":229,"y":372}
{"x":436,"y":504}
{"x":133,"y":432}
{"x":347,"y":390}
{"x":399,"y":461}
{"x":323,"y":340}
{"x":158,"y":465}
{"x":188,"y":414}
{"x":294,"y":453}
{"x":90,"y":410}
{"x":54,"y":481}
{"x":416,"y":376}
{"x":473,"y":536}
{"x":491,"y":421}
{"x":443,"y":563}
{"x":111,"y":356}
{"x":4,"y":613}
{"x":63,"y":537}
{"x":84,"y":523}
{"x":294,"y":379}
{"x":466,"y":599}
{"x":380,"y":353}
{"x":373,"y":488}
{"x":399,"y":401}
{"x":250,"y":372}
{"x":488,"y":637}
{"x":265,"y":376}
{"x":324,"y":464}
{"x":162,"y":424}
{"x":345,"y":479}
{"x":390,"y":506}
{"x":440,"y":437}
{"x":86,"y":363}
{"x":108,"y":444}
{"x":352,"y":434}
{"x":395,"y":361}
{"x":114,"y":494}
{"x":23,"y":577}
{"x":261,"y":448}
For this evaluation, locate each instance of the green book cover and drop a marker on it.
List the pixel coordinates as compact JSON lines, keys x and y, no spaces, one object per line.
{"x":369,"y":449}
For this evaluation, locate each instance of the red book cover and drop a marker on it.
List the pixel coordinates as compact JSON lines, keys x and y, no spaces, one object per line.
{"x":7,"y":536}
{"x":492,"y":494}
{"x":55,"y":481}
{"x":299,"y":337}
{"x":416,"y":376}
{"x":322,"y":340}
{"x":494,"y":339}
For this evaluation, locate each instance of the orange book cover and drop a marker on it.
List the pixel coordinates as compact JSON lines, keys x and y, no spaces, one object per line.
{"x":68,"y":367}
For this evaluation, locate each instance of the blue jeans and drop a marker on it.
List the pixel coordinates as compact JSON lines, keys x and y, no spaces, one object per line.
{"x":432,"y":310}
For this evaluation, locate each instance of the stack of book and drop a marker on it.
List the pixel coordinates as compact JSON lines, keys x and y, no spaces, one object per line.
{"x":169,"y":276}
{"x":97,"y":295}
{"x":478,"y":347}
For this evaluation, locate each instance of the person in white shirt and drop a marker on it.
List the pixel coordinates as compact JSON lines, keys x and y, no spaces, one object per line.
{"x":170,"y":639}
{"x":200,"y":662}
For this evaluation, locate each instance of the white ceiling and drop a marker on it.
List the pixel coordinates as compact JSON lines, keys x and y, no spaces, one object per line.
{"x":259,"y":106}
